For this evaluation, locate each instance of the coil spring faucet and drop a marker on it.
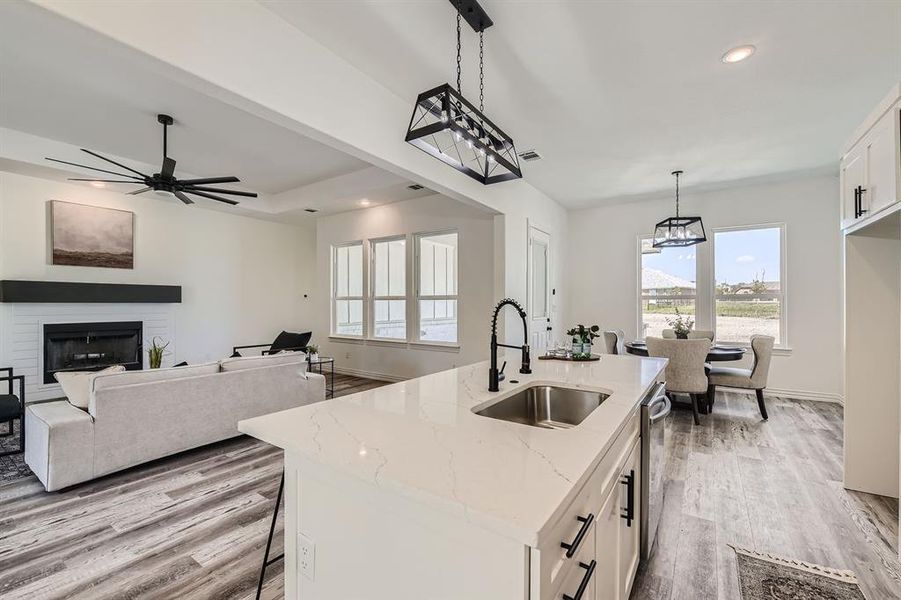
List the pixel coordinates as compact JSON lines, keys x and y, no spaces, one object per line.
{"x":494,"y":376}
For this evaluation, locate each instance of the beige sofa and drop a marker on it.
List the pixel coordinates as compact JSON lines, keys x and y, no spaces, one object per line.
{"x":139,"y":416}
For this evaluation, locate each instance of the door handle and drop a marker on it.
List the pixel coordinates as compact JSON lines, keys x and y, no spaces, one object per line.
{"x":572,"y":547}
{"x":583,"y":585}
{"x":629,"y":482}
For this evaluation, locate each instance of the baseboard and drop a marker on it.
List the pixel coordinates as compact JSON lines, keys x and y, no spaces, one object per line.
{"x":805,"y":395}
{"x":370,"y":374}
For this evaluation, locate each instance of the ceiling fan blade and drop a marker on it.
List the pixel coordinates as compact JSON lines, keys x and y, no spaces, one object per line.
{"x":104,"y":180}
{"x":210,"y":180}
{"x":140,"y":191}
{"x":109,"y":160}
{"x":65,"y":162}
{"x":218,"y":191}
{"x":168,"y":167}
{"x":211,"y":197}
{"x":183,"y":198}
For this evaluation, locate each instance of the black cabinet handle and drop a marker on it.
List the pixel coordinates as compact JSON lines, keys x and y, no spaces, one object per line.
{"x":857,"y":202}
{"x":629,"y":482}
{"x":860,"y":209}
{"x":589,"y":571}
{"x":572,"y":547}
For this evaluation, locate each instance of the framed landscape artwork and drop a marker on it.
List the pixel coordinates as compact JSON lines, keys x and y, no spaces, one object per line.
{"x":91,"y":236}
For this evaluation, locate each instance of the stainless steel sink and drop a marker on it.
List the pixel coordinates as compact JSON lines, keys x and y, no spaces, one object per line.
{"x":545,"y":406}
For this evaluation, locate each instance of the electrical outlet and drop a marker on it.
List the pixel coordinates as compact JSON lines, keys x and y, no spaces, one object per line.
{"x":306,"y":556}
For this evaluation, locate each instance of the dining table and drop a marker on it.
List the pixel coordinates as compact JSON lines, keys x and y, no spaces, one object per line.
{"x":717,"y":353}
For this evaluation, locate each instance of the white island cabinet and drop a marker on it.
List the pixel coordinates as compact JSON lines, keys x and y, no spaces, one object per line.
{"x":404,"y":492}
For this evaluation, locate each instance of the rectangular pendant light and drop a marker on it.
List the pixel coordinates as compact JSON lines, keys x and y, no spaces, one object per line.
{"x":679,"y":231}
{"x":450,"y":128}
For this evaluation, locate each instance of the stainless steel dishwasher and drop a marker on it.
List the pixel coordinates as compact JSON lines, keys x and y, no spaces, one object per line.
{"x":654,"y":409}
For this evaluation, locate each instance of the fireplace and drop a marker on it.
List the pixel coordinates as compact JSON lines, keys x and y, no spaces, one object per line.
{"x":92,"y":346}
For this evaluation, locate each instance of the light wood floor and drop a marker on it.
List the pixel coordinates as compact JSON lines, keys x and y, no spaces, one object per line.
{"x":195,"y":525}
{"x":185,"y":527}
{"x":770,"y":486}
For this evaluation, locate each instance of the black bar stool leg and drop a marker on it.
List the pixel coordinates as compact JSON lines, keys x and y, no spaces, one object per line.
{"x":266,"y":560}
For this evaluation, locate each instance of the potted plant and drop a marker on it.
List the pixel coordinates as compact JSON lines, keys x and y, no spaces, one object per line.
{"x":582,"y":338}
{"x":156,"y":352}
{"x":312,"y":352}
{"x":681,"y":325}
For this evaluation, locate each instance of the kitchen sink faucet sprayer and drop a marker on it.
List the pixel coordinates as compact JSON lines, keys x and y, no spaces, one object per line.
{"x":494,"y":376}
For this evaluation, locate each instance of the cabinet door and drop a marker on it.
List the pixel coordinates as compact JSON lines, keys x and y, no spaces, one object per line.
{"x":853,"y":174}
{"x":881,"y":187}
{"x":607,"y":550}
{"x":629,"y":528}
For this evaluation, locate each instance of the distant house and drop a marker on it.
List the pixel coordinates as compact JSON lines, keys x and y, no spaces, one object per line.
{"x":658,"y":283}
{"x":748,"y":288}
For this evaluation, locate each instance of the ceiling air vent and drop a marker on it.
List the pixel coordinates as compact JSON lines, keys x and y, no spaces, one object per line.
{"x":311,"y":210}
{"x":529,"y":155}
{"x":415,"y":187}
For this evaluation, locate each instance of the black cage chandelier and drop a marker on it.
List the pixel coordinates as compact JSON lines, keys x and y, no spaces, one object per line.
{"x":679,"y":231}
{"x":450,"y":128}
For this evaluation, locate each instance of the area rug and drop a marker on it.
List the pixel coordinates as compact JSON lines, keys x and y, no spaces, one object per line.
{"x":12,"y":467}
{"x":767,"y":577}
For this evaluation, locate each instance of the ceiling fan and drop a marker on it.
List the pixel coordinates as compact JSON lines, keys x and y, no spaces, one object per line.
{"x":164,"y":181}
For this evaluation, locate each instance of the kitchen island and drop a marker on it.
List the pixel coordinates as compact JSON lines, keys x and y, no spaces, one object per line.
{"x":405,"y":492}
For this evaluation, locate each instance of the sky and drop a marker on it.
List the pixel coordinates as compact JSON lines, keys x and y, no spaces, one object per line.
{"x":740,"y":256}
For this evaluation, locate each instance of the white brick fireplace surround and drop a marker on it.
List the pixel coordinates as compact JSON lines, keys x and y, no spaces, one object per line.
{"x":22,"y":334}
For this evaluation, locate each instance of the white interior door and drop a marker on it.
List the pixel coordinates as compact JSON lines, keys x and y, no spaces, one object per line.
{"x":539,"y":278}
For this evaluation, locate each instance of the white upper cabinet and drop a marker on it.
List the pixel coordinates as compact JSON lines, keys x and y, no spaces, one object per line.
{"x":871,"y":168}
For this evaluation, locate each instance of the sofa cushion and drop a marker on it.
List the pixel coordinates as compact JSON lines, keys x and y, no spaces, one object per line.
{"x":150,"y":375}
{"x":269,"y":360}
{"x":77,"y":385}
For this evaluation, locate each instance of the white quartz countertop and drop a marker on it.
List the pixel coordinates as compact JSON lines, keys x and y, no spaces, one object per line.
{"x":420,"y":439}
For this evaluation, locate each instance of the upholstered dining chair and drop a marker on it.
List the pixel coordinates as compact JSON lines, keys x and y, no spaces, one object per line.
{"x":613,"y":341}
{"x":754,"y":378}
{"x":685,"y":372}
{"x":695,"y":334}
{"x":12,"y":407}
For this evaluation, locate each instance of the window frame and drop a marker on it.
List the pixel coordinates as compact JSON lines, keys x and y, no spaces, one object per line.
{"x":641,"y":296}
{"x":782,"y":342}
{"x":415,"y":338}
{"x":335,"y":298}
{"x":372,"y":289}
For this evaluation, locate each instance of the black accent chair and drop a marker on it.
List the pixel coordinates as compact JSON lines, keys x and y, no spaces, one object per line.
{"x":12,"y":407}
{"x":286,"y":340}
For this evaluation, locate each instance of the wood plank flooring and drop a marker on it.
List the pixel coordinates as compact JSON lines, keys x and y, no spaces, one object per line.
{"x":195,"y":525}
{"x":188,"y":526}
{"x":772,"y":486}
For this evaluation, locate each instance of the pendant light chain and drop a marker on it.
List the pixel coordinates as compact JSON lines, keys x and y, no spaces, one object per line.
{"x":482,"y":71}
{"x":677,"y":195}
{"x":458,"y":53}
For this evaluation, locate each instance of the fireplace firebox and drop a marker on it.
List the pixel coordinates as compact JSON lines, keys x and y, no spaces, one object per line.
{"x":92,"y":346}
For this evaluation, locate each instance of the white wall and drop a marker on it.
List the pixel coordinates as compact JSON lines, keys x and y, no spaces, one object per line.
{"x":242,"y":279}
{"x":476,"y":284}
{"x":603,"y":284}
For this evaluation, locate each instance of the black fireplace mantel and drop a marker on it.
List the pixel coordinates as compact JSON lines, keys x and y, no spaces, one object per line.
{"x":67,"y":291}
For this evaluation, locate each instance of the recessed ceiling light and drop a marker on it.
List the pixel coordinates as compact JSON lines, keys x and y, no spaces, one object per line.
{"x":364,"y":202}
{"x":738,"y":54}
{"x":98,"y":184}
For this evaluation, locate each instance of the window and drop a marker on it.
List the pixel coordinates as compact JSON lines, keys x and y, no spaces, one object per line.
{"x":437,"y":287}
{"x":749,"y":294}
{"x":347,"y":289}
{"x":667,"y":285}
{"x":389,"y":279}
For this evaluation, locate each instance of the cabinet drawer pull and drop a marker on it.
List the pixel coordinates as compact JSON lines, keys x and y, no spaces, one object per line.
{"x":589,"y":571}
{"x":629,"y":482}
{"x":572,"y":547}
{"x":861,"y":210}
{"x":857,"y":202}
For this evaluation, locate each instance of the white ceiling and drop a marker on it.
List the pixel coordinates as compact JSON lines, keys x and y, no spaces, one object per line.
{"x":617,"y":94}
{"x":61,"y":83}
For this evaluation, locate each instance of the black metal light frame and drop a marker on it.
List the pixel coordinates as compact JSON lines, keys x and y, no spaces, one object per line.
{"x":447,"y":126}
{"x":676,"y":232}
{"x":450,"y":128}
